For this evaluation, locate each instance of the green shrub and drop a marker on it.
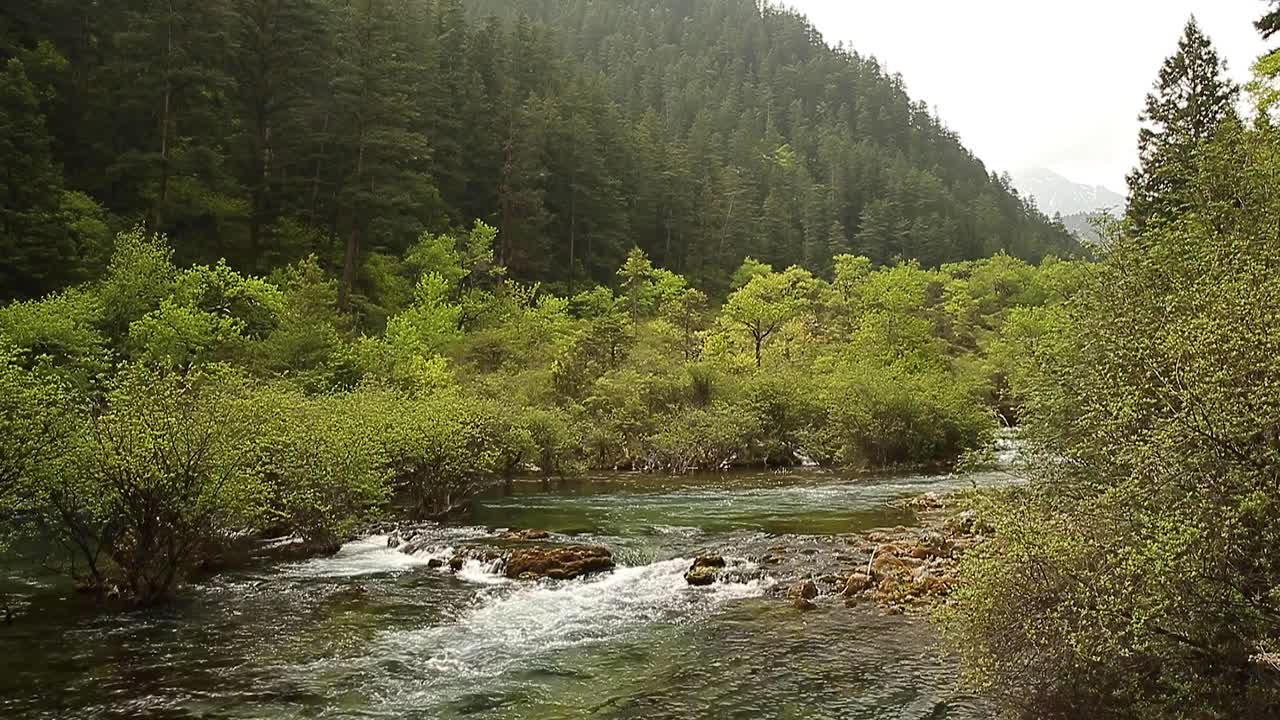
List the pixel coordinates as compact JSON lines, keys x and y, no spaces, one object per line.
{"x":324,"y":459}
{"x":157,"y":475}
{"x":702,"y":439}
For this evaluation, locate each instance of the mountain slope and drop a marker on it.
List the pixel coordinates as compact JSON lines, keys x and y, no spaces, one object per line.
{"x":704,"y":132}
{"x":1055,"y":194}
{"x":800,"y":150}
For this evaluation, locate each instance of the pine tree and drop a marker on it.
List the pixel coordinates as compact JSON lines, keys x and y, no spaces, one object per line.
{"x":36,"y":247}
{"x":1269,"y":24}
{"x":386,"y":193}
{"x":277,"y":53}
{"x":167,"y":79}
{"x":1191,"y":100}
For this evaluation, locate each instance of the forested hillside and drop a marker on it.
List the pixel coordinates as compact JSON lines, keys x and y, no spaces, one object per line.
{"x":266,"y":130}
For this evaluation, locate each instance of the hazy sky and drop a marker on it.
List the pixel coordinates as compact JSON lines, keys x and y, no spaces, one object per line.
{"x":1038,"y":83}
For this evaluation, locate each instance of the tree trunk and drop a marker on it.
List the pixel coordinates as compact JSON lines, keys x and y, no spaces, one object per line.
{"x":315,"y":180}
{"x":157,"y":213}
{"x":352,"y":255}
{"x":573,"y":229}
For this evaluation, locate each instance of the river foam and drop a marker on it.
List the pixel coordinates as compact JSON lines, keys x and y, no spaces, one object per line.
{"x":368,"y":556}
{"x":512,"y":627}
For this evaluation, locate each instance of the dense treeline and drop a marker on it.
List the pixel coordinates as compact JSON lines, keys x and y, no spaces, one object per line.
{"x":262,"y":131}
{"x":155,"y":415}
{"x":1138,"y":578}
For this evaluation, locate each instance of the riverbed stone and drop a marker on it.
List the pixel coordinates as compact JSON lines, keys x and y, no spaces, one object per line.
{"x":701,"y":576}
{"x":857,"y":583}
{"x":802,"y":603}
{"x":805,"y":589}
{"x":561,"y":563}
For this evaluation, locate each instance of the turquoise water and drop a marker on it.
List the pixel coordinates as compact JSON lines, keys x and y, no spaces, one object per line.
{"x":375,"y":633}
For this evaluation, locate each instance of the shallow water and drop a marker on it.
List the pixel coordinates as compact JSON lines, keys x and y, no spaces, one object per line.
{"x":375,"y":633}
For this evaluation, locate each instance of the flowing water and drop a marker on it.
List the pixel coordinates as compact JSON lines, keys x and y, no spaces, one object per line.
{"x":374,"y":632}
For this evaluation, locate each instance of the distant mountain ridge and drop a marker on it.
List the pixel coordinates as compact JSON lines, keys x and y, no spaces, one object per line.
{"x":1054,"y":193}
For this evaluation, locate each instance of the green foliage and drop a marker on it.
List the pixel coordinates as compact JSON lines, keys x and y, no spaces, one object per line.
{"x":883,"y":416}
{"x":767,"y":302}
{"x":1135,"y":579}
{"x":325,"y":459}
{"x":139,"y":276}
{"x":40,"y":251}
{"x":39,"y":415}
{"x":262,"y":131}
{"x":1192,"y":99}
{"x":59,"y":332}
{"x":154,"y":477}
{"x":440,"y":446}
{"x":703,"y":439}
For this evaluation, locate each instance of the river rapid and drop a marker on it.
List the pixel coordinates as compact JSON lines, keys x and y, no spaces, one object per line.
{"x":374,"y":632}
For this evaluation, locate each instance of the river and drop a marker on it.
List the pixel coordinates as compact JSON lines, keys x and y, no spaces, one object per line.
{"x":375,"y":633}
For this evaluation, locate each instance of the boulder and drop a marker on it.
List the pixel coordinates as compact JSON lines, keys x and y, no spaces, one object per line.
{"x":857,"y":583}
{"x":559,"y":563}
{"x":701,"y":576}
{"x":805,"y":589}
{"x":708,"y":561}
{"x":801,"y":603}
{"x":704,"y":570}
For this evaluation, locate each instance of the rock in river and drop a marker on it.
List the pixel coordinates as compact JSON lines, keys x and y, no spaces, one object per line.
{"x":700,"y":576}
{"x":708,"y":561}
{"x":801,"y":603}
{"x":704,"y":570}
{"x":804,"y":590}
{"x":857,"y":583}
{"x":558,"y":563}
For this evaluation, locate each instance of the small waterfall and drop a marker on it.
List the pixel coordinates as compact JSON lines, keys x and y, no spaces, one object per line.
{"x":368,"y":556}
{"x":511,"y":626}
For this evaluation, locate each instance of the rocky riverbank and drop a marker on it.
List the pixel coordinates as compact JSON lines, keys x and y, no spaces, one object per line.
{"x":899,"y":570}
{"x":902,"y":569}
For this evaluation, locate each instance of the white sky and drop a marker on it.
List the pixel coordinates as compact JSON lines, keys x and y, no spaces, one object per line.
{"x":1038,"y":83}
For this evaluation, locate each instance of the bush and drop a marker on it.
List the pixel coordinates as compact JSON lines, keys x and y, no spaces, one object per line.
{"x":883,"y":417}
{"x":702,"y":439}
{"x":154,"y":477}
{"x":324,"y":459}
{"x":40,"y":413}
{"x":1138,"y":579}
{"x":442,"y":447}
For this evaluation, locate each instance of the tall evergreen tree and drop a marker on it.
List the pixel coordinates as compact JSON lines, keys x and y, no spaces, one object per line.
{"x":277,"y":54}
{"x":1269,"y":24}
{"x":1192,"y":99}
{"x":1264,"y":87}
{"x":386,"y":195}
{"x":35,"y":244}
